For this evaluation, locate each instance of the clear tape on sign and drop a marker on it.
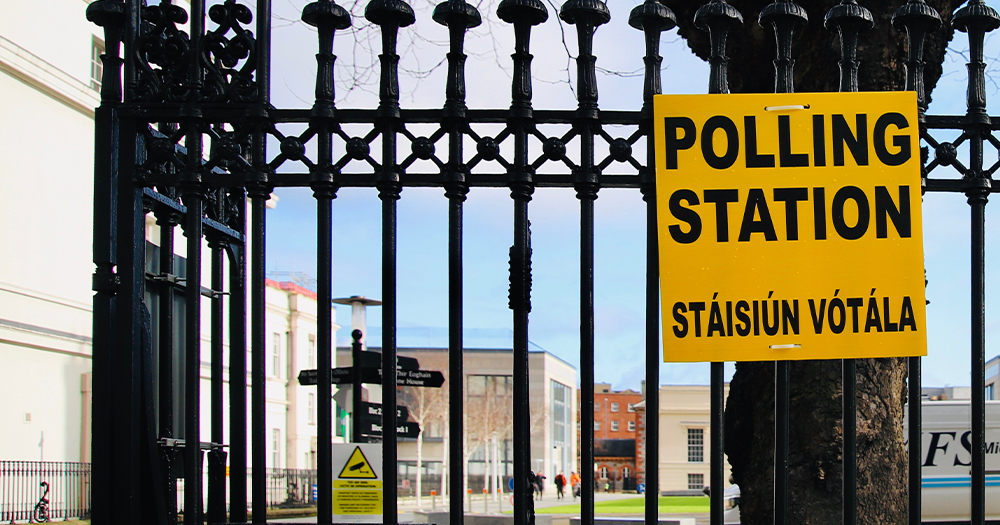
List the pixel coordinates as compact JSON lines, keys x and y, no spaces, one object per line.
{"x":785,"y":347}
{"x":786,"y":108}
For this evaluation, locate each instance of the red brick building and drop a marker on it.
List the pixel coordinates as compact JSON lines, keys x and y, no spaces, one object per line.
{"x":615,"y":431}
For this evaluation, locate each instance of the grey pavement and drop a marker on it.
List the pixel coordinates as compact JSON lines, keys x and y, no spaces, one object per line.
{"x":407,"y":505}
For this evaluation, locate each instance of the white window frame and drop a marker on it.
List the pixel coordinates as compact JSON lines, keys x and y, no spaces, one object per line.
{"x":614,"y":407}
{"x":696,"y":481}
{"x":311,"y":407}
{"x":631,"y":426}
{"x":614,"y":425}
{"x":696,"y":445}
{"x":97,"y":48}
{"x":276,"y":354}
{"x":275,"y":448}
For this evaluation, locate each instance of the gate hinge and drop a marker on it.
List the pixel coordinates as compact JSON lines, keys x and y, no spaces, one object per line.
{"x":105,"y":282}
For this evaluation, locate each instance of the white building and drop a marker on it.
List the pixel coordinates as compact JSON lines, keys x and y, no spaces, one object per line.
{"x":50,"y":75}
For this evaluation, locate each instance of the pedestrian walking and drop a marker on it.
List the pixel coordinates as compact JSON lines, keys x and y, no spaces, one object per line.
{"x":575,"y":482}
{"x":560,"y":484}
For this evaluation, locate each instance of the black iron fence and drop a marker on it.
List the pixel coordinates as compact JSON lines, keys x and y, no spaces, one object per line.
{"x":23,"y":486}
{"x":182,"y":133}
{"x":286,"y":488}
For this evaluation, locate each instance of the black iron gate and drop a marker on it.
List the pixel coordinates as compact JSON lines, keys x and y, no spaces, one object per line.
{"x":182,"y":133}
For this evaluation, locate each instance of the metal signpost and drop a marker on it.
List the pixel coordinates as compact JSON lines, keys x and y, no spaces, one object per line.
{"x":367,"y":420}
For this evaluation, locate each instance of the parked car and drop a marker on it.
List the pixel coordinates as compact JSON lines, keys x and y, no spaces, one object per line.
{"x":946,"y":459}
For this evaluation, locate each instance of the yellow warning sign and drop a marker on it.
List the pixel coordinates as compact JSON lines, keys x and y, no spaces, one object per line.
{"x":357,"y":467}
{"x":355,"y":502}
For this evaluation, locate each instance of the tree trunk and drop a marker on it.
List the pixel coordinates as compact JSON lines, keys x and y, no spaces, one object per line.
{"x":420,"y":469}
{"x":444,"y":463}
{"x":816,"y":425}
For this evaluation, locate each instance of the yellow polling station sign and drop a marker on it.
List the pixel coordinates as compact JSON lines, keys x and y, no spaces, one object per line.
{"x":789,"y":226}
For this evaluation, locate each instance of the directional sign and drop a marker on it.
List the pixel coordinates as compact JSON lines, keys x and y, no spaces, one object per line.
{"x":374,"y":428}
{"x":373,"y":411}
{"x":425,"y":378}
{"x":338,"y":376}
{"x":404,"y":377}
{"x":790,"y":226}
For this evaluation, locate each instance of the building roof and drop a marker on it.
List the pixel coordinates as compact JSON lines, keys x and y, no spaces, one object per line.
{"x":614,"y":448}
{"x":291,"y":287}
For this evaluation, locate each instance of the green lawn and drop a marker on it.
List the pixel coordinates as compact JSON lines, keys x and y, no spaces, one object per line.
{"x":636,"y":505}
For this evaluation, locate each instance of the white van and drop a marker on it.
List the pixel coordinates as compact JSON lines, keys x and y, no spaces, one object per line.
{"x":946,"y":458}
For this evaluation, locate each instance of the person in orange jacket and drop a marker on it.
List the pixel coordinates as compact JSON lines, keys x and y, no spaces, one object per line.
{"x":574,"y":482}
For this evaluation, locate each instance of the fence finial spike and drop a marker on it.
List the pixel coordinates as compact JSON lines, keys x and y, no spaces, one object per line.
{"x":718,"y":18}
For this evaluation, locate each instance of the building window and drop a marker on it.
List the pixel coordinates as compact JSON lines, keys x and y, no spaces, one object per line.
{"x":276,"y":354}
{"x":626,"y":472}
{"x":614,"y":407}
{"x":696,"y":481}
{"x":696,"y":445}
{"x":96,"y":64}
{"x":276,"y":448}
{"x":631,"y":426}
{"x":614,"y":425}
{"x":631,"y":407}
{"x":989,"y":392}
{"x":597,"y":426}
{"x":560,"y":422}
{"x":603,"y":474}
{"x":312,"y":408}
{"x":597,"y":407}
{"x":312,"y":351}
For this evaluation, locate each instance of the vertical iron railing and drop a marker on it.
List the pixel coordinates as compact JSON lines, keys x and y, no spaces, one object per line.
{"x":718,"y":18}
{"x":849,"y":19}
{"x":195,"y":189}
{"x":917,"y":19}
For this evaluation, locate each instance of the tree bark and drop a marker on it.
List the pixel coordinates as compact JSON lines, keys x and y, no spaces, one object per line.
{"x":816,"y":425}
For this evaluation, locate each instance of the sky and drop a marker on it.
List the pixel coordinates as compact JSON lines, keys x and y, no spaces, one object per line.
{"x":554,"y":214}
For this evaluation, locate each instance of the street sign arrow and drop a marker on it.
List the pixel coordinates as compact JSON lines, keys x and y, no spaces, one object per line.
{"x":407,"y":430}
{"x":373,"y":376}
{"x":338,"y":376}
{"x":424,"y":378}
{"x":373,"y":412}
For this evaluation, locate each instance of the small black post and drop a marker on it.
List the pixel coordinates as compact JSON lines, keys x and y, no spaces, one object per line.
{"x":356,"y":401}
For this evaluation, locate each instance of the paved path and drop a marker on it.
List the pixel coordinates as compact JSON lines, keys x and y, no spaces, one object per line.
{"x":406,"y":507}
